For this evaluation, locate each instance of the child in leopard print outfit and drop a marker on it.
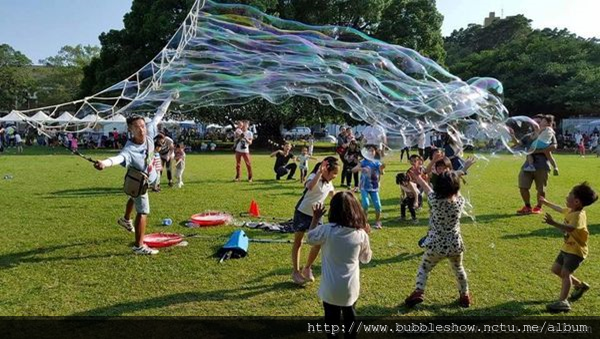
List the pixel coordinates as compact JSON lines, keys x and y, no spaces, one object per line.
{"x":446,"y":206}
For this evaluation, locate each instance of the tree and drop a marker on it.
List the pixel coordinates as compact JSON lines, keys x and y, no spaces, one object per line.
{"x":415,"y":24}
{"x":363,"y":15}
{"x":543,"y":71}
{"x":60,"y":77}
{"x":14,"y":77}
{"x":72,"y":56}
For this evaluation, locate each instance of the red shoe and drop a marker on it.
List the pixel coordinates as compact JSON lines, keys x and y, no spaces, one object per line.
{"x":465,"y":300}
{"x":414,"y":298}
{"x":536,"y":210}
{"x":524,"y":211}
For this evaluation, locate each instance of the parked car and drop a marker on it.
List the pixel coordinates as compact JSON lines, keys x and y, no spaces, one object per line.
{"x":297,"y":133}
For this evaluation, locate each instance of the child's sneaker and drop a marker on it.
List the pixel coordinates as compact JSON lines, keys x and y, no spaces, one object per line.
{"x":465,"y":300}
{"x":298,"y":278}
{"x":579,"y":291}
{"x":414,"y":298}
{"x":423,"y":242}
{"x":559,"y":306}
{"x":529,"y":168}
{"x":126,"y":224}
{"x":308,"y":274}
{"x":378,"y":225}
{"x":415,"y":221}
{"x":180,"y":184}
{"x":536,"y":210}
{"x":144,"y":250}
{"x":556,"y":172}
{"x":525,"y":210}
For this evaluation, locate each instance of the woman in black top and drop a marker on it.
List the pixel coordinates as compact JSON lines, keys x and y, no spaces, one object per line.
{"x":282,"y":167}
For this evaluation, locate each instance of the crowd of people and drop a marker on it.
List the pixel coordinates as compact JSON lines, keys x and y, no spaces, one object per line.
{"x":435,"y":175}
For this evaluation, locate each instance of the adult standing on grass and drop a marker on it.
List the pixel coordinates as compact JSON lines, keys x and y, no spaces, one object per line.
{"x":539,"y":176}
{"x":242,"y":151}
{"x":137,"y":154}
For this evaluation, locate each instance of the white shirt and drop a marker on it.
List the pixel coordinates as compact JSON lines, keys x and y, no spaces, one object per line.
{"x":248,"y":136}
{"x":341,"y":250}
{"x":427,"y":139}
{"x":374,"y":135}
{"x":421,"y":141}
{"x":140,"y":156}
{"x":318,"y":194}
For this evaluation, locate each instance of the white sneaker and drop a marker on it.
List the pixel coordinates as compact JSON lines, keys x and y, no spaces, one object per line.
{"x":180,"y":184}
{"x":308,"y":274}
{"x":144,"y":250}
{"x":126,"y":224}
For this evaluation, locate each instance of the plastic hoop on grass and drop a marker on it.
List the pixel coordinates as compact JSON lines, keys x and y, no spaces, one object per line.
{"x":157,"y":240}
{"x":210,"y":219}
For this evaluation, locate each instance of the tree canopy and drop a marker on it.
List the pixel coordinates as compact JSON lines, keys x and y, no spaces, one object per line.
{"x":543,"y":71}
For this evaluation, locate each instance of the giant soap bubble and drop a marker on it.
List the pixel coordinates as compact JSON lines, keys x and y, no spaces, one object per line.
{"x":226,"y":54}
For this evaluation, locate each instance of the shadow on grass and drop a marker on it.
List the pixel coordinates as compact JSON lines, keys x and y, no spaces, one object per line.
{"x":489,"y":218}
{"x":392,"y":260}
{"x":548,"y":232}
{"x":89,"y":191}
{"x":187,"y":298}
{"x":12,"y":260}
{"x":507,"y":309}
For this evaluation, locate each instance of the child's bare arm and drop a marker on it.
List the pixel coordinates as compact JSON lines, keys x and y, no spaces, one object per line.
{"x":417,"y":178}
{"x":356,"y":169}
{"x":555,"y":207}
{"x":563,"y":227}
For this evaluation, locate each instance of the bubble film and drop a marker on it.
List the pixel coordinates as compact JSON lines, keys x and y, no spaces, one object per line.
{"x":227,"y":54}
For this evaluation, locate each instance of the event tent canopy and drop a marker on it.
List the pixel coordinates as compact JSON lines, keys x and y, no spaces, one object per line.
{"x":13,"y":116}
{"x":66,"y":117}
{"x":92,"y":118}
{"x":115,"y":118}
{"x":40,"y":117}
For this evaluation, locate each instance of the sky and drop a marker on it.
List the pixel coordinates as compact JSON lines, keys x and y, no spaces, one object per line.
{"x":39,"y":28}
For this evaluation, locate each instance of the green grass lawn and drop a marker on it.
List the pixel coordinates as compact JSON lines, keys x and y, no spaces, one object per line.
{"x":63,"y":254}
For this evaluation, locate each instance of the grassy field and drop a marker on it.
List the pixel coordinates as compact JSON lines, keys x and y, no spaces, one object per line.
{"x":63,"y":254}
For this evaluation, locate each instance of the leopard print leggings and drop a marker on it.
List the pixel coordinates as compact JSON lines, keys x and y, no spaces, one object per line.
{"x":431,"y":259}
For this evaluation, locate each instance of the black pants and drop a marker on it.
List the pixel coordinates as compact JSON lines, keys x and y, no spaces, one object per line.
{"x":347,"y":175}
{"x":332,"y":317}
{"x":410,"y":203}
{"x":407,"y":150}
{"x":166,"y":164}
{"x":427,"y":154}
{"x":283,"y":170}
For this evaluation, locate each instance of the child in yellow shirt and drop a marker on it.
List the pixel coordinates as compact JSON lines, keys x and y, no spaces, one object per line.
{"x":574,"y":249}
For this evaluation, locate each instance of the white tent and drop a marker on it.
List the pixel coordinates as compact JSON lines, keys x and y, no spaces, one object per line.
{"x":115,"y":119}
{"x":66,"y":117}
{"x":13,"y":116}
{"x":92,"y":118}
{"x":118,"y":122}
{"x":41,"y":117}
{"x":187,"y":122}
